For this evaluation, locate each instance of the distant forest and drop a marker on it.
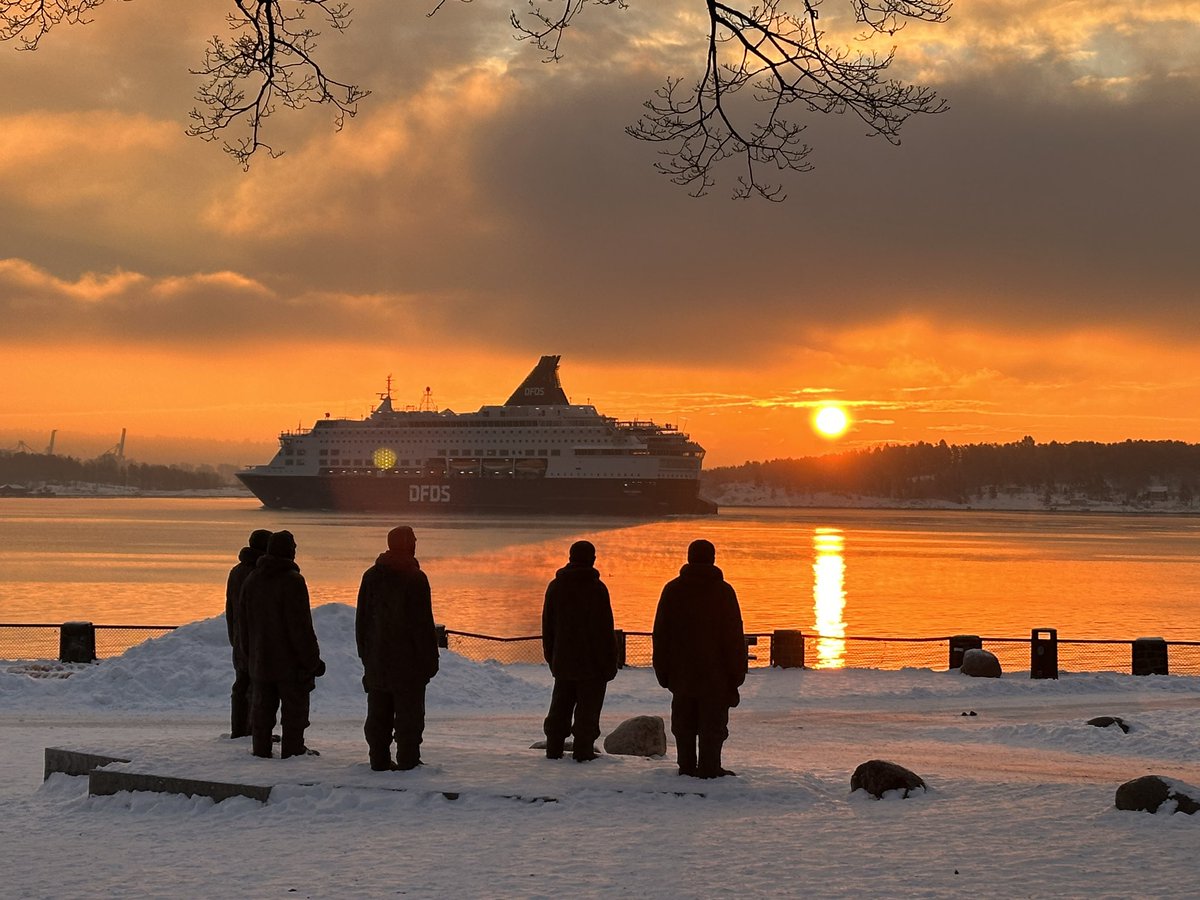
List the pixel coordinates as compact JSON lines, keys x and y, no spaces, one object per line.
{"x":37,"y":470}
{"x":1124,"y":472}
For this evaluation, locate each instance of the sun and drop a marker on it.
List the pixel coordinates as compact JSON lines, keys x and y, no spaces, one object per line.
{"x":831,"y":421}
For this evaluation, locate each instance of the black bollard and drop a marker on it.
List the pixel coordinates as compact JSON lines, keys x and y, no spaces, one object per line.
{"x":77,"y":642}
{"x":619,"y":639}
{"x":1043,"y":653}
{"x":960,"y":644}
{"x":1149,"y":656}
{"x":787,"y":649}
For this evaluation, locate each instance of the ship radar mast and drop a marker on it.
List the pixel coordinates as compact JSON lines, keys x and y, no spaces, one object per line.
{"x":427,"y":401}
{"x":385,"y":398}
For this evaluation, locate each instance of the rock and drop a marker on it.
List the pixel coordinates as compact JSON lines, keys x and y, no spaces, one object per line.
{"x":1150,"y":792}
{"x":639,"y":736}
{"x":878,"y":776}
{"x":1106,"y":721}
{"x":980,"y":664}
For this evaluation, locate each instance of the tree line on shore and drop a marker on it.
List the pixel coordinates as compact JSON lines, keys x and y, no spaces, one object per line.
{"x":44,"y":470}
{"x":1129,"y":471}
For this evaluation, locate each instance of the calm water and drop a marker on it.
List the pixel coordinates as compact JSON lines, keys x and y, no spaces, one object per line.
{"x":855,"y":572}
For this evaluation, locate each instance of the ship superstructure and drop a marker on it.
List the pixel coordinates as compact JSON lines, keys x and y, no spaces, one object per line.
{"x":537,"y":452}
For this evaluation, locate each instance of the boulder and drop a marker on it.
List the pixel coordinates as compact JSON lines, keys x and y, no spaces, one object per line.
{"x":877,"y":777}
{"x":1106,"y":721}
{"x":980,"y":664}
{"x":639,"y":736}
{"x":1150,"y":792}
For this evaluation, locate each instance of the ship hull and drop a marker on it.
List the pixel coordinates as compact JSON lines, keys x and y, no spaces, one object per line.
{"x":374,"y":493}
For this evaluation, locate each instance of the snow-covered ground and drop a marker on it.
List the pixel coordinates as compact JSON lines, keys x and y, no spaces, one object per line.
{"x":1020,"y":801}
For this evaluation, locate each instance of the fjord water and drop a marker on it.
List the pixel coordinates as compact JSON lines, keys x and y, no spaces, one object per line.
{"x":837,"y":572}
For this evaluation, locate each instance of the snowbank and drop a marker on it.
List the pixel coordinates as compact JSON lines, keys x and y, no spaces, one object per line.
{"x":1020,"y":799}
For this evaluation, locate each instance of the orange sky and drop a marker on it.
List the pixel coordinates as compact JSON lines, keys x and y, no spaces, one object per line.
{"x":1023,"y":264}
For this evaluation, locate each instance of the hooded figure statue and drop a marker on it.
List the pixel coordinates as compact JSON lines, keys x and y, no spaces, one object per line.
{"x":580,"y":646}
{"x":700,"y":657}
{"x":397,"y":643}
{"x":239,"y":695}
{"x":281,"y":648}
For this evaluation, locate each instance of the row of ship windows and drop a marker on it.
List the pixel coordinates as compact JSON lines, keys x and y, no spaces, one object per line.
{"x":395,"y":435}
{"x":334,"y":456}
{"x":466,"y":451}
{"x":338,"y":461}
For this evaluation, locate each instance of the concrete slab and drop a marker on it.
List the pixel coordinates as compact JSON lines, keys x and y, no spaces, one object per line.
{"x":220,"y":768}
{"x":102,"y":782}
{"x":75,"y":762}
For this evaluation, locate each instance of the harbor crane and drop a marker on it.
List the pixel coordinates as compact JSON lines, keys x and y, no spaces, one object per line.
{"x":117,"y":452}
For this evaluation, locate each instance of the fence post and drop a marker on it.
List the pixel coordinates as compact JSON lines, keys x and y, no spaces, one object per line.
{"x":619,"y":640}
{"x":443,"y":639}
{"x":960,"y":644}
{"x":1043,"y":653}
{"x":77,"y":642}
{"x":787,"y":648}
{"x":1149,"y":656}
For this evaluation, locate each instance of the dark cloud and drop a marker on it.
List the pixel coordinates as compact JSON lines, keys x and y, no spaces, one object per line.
{"x":500,"y":198}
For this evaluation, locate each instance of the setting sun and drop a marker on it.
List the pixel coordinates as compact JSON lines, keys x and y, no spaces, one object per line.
{"x":830,"y":421}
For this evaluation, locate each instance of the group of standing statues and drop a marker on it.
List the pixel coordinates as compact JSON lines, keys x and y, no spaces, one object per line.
{"x":699,"y":656}
{"x":699,"y":652}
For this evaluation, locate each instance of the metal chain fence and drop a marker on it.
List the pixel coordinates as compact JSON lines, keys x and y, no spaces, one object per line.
{"x":45,"y":642}
{"x":37,"y":649}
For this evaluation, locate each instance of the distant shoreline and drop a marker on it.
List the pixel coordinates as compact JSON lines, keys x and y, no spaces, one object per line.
{"x":727,"y":499}
{"x":743,"y":496}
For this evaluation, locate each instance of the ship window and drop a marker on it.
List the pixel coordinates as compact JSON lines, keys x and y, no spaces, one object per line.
{"x":556,"y":452}
{"x":301,"y":452}
{"x":323,"y":452}
{"x":288,"y":451}
{"x":529,"y":452}
{"x":289,"y":462}
{"x":491,"y":453}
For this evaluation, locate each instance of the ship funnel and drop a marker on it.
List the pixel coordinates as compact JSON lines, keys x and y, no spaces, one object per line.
{"x":541,"y":386}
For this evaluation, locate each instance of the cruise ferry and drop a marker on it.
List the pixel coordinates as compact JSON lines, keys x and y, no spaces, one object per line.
{"x":538,"y":453}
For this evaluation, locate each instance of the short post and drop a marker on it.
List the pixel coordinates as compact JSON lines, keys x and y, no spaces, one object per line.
{"x":751,"y":641}
{"x":619,"y":640}
{"x":443,"y":639}
{"x":77,"y":642}
{"x":787,"y":648}
{"x":960,"y":644}
{"x":1149,"y":656}
{"x":1043,"y":653}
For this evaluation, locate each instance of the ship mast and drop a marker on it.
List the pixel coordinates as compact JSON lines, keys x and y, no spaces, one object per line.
{"x":385,"y":398}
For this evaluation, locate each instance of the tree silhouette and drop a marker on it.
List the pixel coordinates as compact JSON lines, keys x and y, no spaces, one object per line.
{"x":763,"y":66}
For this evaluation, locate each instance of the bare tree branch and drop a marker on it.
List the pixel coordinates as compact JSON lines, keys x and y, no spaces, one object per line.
{"x":543,"y":23}
{"x":784,"y":58}
{"x":27,"y":21}
{"x":270,"y":61}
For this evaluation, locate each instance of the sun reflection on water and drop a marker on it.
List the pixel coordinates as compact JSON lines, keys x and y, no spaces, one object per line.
{"x":829,"y":597}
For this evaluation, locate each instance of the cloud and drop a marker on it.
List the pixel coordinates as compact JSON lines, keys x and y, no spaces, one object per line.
{"x":217,"y":307}
{"x":1031,"y":250}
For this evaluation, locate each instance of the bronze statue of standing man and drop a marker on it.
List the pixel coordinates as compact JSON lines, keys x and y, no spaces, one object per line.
{"x":700,"y":657}
{"x":397,"y":643}
{"x":579,"y":644}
